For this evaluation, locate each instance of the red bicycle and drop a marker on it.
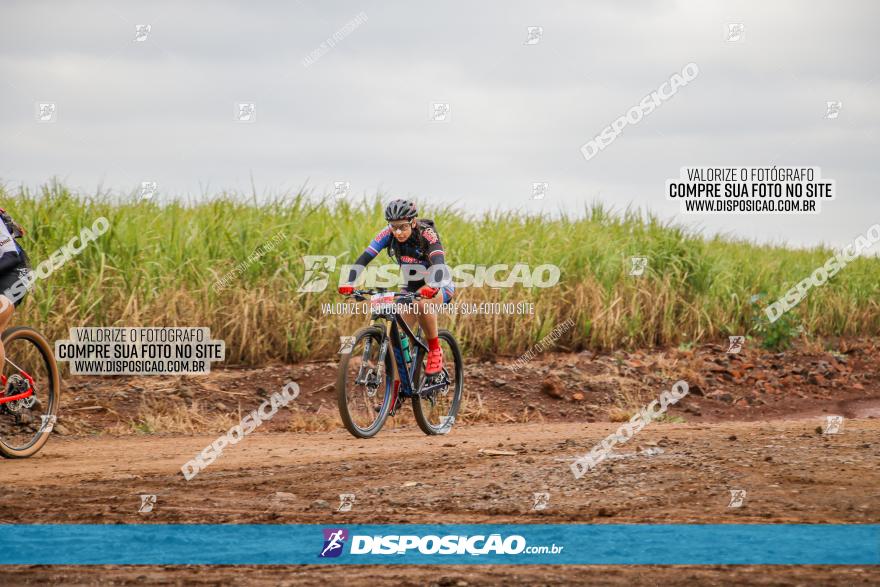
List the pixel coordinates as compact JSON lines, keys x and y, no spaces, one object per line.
{"x":30,"y":393}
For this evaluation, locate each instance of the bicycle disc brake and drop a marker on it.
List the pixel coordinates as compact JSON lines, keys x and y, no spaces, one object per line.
{"x":15,"y":385}
{"x":372,"y":381}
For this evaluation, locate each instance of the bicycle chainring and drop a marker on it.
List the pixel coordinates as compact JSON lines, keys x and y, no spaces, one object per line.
{"x":441,"y":378}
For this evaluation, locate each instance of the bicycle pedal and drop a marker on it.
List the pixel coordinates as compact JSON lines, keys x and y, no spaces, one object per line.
{"x":434,"y":379}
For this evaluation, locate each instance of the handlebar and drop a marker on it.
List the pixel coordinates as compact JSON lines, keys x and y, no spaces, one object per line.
{"x":408,"y":296}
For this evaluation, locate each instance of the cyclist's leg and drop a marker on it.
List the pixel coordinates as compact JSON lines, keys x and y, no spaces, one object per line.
{"x":421,"y":313}
{"x":6,"y":310}
{"x":410,"y":314}
{"x":9,"y":283}
{"x":428,"y":317}
{"x":428,"y":321}
{"x":428,"y":310}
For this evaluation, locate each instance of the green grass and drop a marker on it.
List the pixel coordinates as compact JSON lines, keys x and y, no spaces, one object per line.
{"x":157,"y":265}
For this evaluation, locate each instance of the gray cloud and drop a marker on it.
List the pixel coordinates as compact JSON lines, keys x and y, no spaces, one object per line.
{"x":163,"y":109}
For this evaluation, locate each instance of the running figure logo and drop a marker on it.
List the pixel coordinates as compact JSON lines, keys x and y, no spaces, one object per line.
{"x":341,"y":189}
{"x":539,"y":189}
{"x":638,"y":266}
{"x":737,"y":498}
{"x":346,"y":343}
{"x":735,"y":344}
{"x":49,"y":421}
{"x":147,"y":503}
{"x":148,"y":189}
{"x":346,"y":501}
{"x":334,"y":540}
{"x":47,"y":112}
{"x":246,"y":112}
{"x":534,"y":35}
{"x":735,"y":32}
{"x":317,"y":273}
{"x":542,"y":499}
{"x":833,"y":425}
{"x":141,"y":32}
{"x":832,"y":109}
{"x":439,"y":111}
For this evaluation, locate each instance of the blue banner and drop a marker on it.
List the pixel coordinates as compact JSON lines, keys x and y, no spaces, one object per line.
{"x":504,"y":544}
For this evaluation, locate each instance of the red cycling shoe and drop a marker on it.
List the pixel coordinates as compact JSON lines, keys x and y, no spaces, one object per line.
{"x":435,"y":361}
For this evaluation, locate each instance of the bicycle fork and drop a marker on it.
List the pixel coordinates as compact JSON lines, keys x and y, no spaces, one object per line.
{"x":405,"y":372}
{"x":365,"y":361}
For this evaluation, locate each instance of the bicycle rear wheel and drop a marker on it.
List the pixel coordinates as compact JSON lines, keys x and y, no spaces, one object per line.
{"x":363,"y":386}
{"x":439,"y":398}
{"x":25,"y":424}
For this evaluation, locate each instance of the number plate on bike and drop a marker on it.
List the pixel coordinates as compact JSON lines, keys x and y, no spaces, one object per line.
{"x":381,"y":302}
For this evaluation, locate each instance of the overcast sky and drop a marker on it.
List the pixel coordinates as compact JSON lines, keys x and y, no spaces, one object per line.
{"x":164,"y":108}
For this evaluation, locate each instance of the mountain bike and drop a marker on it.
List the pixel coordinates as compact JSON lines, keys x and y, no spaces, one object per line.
{"x":366,"y":389}
{"x":30,"y":392}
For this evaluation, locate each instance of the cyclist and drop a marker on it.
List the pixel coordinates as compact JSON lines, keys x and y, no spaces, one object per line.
{"x":415,"y":245}
{"x":14,"y":271}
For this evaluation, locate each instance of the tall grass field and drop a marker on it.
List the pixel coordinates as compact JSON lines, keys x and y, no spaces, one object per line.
{"x":159,"y":263}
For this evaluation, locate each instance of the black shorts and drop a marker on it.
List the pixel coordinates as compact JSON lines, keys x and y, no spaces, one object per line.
{"x":12,"y":276}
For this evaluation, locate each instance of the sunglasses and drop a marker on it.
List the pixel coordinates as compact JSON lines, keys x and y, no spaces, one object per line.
{"x":400,"y":226}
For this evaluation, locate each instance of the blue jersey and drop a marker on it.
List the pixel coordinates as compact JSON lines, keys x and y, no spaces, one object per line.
{"x":422,"y":248}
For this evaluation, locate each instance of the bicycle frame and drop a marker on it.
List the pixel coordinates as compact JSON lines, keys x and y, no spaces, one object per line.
{"x":406,"y":372}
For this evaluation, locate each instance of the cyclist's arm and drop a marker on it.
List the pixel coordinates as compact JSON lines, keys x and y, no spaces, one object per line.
{"x":374,"y":248}
{"x":436,"y":256}
{"x":9,"y":256}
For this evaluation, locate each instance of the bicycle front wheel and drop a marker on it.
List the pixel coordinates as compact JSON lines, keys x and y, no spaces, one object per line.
{"x":25,"y":424}
{"x":363,"y":385}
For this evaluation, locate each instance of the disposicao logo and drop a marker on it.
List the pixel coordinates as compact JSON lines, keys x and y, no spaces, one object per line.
{"x":411,"y":544}
{"x":334,"y":540}
{"x":442,"y":545}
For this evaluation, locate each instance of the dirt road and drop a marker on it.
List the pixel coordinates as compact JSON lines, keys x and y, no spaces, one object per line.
{"x":120,"y":438}
{"x":791,"y":472}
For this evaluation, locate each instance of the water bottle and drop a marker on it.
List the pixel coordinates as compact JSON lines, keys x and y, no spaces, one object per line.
{"x":404,"y":343}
